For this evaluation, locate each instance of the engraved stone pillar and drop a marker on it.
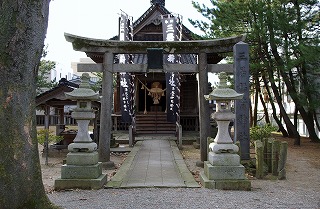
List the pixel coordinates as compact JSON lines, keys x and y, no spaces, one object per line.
{"x":241,"y":74}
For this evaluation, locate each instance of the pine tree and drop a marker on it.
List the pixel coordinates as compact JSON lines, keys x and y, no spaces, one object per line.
{"x":284,"y":47}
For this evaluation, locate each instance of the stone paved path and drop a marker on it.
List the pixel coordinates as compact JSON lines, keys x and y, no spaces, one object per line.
{"x":153,"y":163}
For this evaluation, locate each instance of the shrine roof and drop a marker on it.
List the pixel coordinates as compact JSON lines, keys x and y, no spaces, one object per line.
{"x":162,"y":10}
{"x":56,"y":96}
{"x":56,"y":93}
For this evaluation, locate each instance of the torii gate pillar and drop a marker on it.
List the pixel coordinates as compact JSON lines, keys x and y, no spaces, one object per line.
{"x":204,"y":112}
{"x":105,"y":117}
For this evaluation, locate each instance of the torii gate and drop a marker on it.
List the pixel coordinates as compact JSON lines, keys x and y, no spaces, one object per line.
{"x":108,"y":48}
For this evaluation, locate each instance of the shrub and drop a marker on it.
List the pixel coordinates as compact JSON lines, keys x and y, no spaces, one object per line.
{"x":41,"y":136}
{"x":261,"y":132}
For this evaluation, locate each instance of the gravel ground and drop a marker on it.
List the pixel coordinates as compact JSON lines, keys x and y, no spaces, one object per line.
{"x":273,"y":196}
{"x":301,"y":189}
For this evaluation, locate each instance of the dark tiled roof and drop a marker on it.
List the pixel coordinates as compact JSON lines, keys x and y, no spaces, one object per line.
{"x":163,"y":11}
{"x":63,"y":86}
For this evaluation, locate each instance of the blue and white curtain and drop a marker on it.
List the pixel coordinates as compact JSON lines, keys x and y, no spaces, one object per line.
{"x":171,"y":26}
{"x":127,"y":89}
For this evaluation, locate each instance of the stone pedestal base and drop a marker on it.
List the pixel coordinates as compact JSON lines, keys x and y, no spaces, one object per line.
{"x":235,"y":184}
{"x":61,"y":184}
{"x":82,"y":171}
{"x":231,"y":177}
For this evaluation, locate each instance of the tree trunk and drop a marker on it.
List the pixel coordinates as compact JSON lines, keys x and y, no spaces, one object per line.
{"x":265,"y":109}
{"x":23,"y":26}
{"x":295,"y":119}
{"x":291,"y":129}
{"x":256,"y":99}
{"x":274,"y":113}
{"x":307,"y":116}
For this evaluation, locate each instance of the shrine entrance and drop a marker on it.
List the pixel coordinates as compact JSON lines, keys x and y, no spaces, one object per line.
{"x":150,"y":97}
{"x":151,"y":106}
{"x":104,"y":51}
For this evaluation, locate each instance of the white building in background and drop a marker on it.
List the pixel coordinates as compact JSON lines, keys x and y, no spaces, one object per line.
{"x":59,"y":72}
{"x":76,"y":74}
{"x":289,"y":106}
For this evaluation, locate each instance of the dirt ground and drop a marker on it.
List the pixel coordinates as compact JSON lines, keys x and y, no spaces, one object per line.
{"x":303,"y":165}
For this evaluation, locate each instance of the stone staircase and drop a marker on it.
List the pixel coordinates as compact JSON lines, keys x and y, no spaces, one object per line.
{"x":154,"y":123}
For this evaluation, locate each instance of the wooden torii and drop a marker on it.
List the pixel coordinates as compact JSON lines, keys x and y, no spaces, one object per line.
{"x":109,"y":48}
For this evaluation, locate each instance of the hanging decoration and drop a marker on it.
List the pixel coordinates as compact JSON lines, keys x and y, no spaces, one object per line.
{"x":156,"y":91}
{"x":126,"y":79}
{"x":172,"y":31}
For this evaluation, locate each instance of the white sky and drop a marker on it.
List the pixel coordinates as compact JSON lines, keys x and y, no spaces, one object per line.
{"x":99,"y":19}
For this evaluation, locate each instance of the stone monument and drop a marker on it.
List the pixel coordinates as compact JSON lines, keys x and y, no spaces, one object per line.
{"x":82,"y":169}
{"x":223,"y":169}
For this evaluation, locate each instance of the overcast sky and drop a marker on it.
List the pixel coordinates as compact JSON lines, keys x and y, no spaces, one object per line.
{"x":99,"y":19}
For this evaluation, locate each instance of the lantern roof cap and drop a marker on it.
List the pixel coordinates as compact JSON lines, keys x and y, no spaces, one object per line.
{"x":83,"y":92}
{"x":223,"y":92}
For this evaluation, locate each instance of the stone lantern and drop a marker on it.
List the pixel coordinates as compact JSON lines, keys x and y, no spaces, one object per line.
{"x":223,"y":169}
{"x":82,"y":169}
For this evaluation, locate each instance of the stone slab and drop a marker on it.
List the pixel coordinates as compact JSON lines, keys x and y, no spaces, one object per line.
{"x":225,"y":159}
{"x":158,"y":163}
{"x":82,"y":158}
{"x":244,"y":185}
{"x":62,"y":184}
{"x":223,"y":172}
{"x":81,"y":172}
{"x":240,"y":184}
{"x":118,"y":179}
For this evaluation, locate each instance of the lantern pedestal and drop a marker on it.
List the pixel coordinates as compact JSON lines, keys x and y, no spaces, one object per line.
{"x":82,"y":169}
{"x":223,"y":169}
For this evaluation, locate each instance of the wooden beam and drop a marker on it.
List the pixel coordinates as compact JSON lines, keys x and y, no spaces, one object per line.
{"x":142,"y":68}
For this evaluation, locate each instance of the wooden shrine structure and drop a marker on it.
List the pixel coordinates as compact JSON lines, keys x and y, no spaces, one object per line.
{"x":198,"y":58}
{"x":110,"y":48}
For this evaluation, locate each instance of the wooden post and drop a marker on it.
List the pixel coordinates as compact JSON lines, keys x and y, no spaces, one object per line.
{"x":282,"y":160}
{"x":46,"y":127}
{"x":131,"y":136}
{"x":106,"y":108}
{"x":179,"y":135}
{"x":259,"y":159}
{"x":204,"y":113}
{"x":61,"y":115}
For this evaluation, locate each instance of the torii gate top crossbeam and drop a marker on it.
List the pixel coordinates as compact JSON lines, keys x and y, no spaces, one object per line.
{"x":85,"y":44}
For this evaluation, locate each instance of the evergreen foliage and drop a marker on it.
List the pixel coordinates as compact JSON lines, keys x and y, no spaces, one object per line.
{"x":43,"y":81}
{"x":284,"y":51}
